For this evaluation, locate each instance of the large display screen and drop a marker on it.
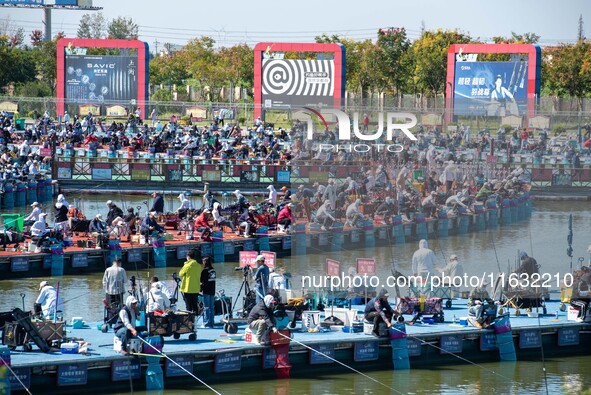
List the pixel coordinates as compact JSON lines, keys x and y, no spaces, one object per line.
{"x":490,"y":88}
{"x":296,"y":83}
{"x":100,"y":79}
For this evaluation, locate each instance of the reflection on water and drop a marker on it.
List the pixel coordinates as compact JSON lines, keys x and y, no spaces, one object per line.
{"x":563,"y":377}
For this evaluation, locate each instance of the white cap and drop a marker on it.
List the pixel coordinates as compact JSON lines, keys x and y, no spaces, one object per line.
{"x":42,"y":284}
{"x":109,"y":202}
{"x":34,"y":204}
{"x":260,"y":258}
{"x":453,"y":257}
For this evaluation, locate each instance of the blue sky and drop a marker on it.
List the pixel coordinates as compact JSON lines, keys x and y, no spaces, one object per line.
{"x":235,"y":21}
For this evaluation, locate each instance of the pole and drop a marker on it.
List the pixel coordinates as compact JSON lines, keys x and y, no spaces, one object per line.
{"x":47,"y":23}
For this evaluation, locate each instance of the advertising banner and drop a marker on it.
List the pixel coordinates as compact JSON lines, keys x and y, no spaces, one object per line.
{"x":100,"y":78}
{"x":288,"y":83}
{"x":490,"y":88}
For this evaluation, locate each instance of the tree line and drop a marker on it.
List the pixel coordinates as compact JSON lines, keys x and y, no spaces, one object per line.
{"x":391,"y":64}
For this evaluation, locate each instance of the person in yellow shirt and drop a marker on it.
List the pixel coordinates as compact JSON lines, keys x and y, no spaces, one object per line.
{"x":191,"y":285}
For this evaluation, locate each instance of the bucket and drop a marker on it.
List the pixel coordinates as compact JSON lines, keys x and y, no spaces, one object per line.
{"x":310,"y":319}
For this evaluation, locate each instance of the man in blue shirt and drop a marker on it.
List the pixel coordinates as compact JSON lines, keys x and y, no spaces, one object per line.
{"x":261,"y":278}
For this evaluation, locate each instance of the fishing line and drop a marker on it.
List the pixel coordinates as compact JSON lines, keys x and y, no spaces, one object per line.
{"x":450,"y":353}
{"x":15,"y":375}
{"x":340,"y":363}
{"x":179,"y":366}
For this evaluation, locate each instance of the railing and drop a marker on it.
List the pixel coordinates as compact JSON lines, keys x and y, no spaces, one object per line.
{"x":176,"y":171}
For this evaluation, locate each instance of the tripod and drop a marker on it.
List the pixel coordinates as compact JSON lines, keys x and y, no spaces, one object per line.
{"x":248,"y":302}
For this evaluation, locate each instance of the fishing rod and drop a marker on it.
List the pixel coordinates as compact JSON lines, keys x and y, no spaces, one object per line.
{"x":160,"y":353}
{"x":340,"y":363}
{"x":539,"y":324}
{"x":7,"y":364}
{"x":450,"y":353}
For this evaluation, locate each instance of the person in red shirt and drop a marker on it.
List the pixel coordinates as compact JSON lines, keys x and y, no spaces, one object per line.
{"x":365,"y":122}
{"x":202,"y":224}
{"x":524,"y":136}
{"x":284,"y":219}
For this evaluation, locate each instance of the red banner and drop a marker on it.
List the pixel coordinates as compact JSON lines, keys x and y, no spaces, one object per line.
{"x":333,"y":268}
{"x":366,"y":266}
{"x":248,"y":258}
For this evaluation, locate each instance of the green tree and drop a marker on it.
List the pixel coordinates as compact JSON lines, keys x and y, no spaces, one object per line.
{"x":168,"y":70}
{"x":361,"y":66}
{"x":122,"y":28}
{"x":525,"y":38}
{"x":394,"y":60}
{"x":17,"y":65}
{"x":92,"y":26}
{"x":238,"y":63}
{"x":567,"y":71}
{"x":430,"y":54}
{"x":45,"y":60}
{"x":201,"y":63}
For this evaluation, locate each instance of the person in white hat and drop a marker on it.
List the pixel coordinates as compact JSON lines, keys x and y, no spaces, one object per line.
{"x":34,"y":216}
{"x":185,"y":206}
{"x":48,"y":302}
{"x":272,"y":195}
{"x":125,"y":327}
{"x":98,"y":229}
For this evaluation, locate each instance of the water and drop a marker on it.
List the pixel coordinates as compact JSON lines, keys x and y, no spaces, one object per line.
{"x":543,"y":236}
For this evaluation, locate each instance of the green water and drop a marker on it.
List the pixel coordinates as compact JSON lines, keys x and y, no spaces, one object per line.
{"x":543,"y":236}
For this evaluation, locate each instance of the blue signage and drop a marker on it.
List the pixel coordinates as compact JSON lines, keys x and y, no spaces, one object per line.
{"x":530,"y":338}
{"x":366,"y":351}
{"x":79,"y":260}
{"x":206,"y":250}
{"x":181,"y":252}
{"x":568,"y":336}
{"x":269,"y":358}
{"x":228,"y":362}
{"x":125,"y":369}
{"x":283,"y":176}
{"x":19,"y":264}
{"x":490,"y":88}
{"x":249,"y":245}
{"x":414,"y":347}
{"x":72,"y":374}
{"x":24,"y":375}
{"x":451,"y":344}
{"x":286,"y":243}
{"x":228,"y":248}
{"x":174,"y":370}
{"x":134,"y":255}
{"x":488,"y":341}
{"x":327,"y":351}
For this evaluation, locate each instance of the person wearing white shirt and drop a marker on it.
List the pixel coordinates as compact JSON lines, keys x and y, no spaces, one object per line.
{"x":185,"y":206}
{"x":276,"y":279}
{"x":34,"y":216}
{"x":272,"y":195}
{"x":423,"y":260}
{"x":48,"y":302}
{"x":219,"y":220}
{"x":157,"y":300}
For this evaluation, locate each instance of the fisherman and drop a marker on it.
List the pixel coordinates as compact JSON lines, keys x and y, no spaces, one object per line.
{"x":277,"y":279}
{"x":455,"y":201}
{"x":185,"y":206}
{"x":353,"y":214}
{"x":191,"y":285}
{"x":429,"y":205}
{"x":324,"y":216}
{"x":528,"y":265}
{"x":261,"y":277}
{"x":386,"y":210}
{"x":46,"y":301}
{"x":74,"y":217}
{"x":241,"y":201}
{"x":285,"y":219}
{"x":163,"y":286}
{"x":158,"y":203}
{"x":202,"y":224}
{"x":149,"y":225}
{"x":219,"y":220}
{"x":261,"y":319}
{"x":286,"y":193}
{"x":125,"y":327}
{"x":34,"y":216}
{"x":379,"y":310}
{"x":114,"y":283}
{"x":114,"y":212}
{"x":98,"y":229}
{"x":423,"y":260}
{"x":479,"y":301}
{"x":330,"y":193}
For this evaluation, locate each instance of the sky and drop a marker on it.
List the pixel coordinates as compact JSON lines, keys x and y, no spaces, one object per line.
{"x":238,"y":21}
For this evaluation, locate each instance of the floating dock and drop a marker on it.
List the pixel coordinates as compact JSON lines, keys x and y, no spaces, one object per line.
{"x":215,"y":359}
